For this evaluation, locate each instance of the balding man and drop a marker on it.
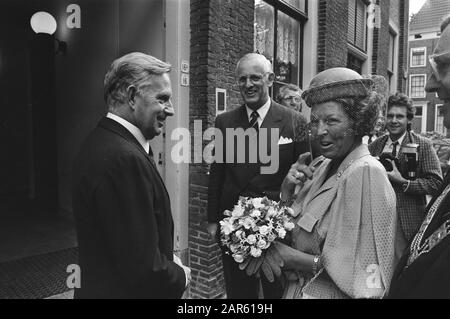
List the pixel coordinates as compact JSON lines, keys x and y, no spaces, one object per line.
{"x":230,"y":179}
{"x":424,"y":270}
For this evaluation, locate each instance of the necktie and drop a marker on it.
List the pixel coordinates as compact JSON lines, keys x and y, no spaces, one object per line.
{"x":254,"y":121}
{"x":394,"y":149}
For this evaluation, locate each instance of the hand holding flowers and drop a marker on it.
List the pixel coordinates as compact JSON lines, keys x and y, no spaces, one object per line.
{"x":249,"y":231}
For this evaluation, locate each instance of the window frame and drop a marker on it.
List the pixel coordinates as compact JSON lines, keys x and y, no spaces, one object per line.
{"x":410,"y":86}
{"x":302,"y":18}
{"x":353,"y":44}
{"x":436,"y":113}
{"x":424,"y":49}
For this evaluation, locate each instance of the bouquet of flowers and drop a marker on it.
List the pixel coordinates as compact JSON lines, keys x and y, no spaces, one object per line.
{"x":253,"y":225}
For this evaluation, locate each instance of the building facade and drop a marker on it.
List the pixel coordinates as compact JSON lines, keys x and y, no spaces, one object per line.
{"x":203,"y":40}
{"x":301,"y":38}
{"x":424,"y":35}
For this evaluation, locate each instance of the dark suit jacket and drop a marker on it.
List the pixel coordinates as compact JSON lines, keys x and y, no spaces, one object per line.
{"x":229,"y":181}
{"x":428,"y":276}
{"x":412,"y":203}
{"x":123,"y":219}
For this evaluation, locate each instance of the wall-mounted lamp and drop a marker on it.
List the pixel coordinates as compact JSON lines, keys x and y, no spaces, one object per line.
{"x":44,"y":22}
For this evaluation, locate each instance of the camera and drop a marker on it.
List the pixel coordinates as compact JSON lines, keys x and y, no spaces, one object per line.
{"x":386,"y":158}
{"x":411,"y":152}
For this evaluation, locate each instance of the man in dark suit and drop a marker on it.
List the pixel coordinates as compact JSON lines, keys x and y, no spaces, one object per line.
{"x":121,"y":206}
{"x":411,"y":193}
{"x":423,"y":271}
{"x":231,"y":178}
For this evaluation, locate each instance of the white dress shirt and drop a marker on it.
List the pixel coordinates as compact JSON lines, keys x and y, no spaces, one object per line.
{"x":262,"y":112}
{"x":389,"y":147}
{"x":133,"y":130}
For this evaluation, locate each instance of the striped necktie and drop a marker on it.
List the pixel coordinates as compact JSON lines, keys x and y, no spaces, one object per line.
{"x":394,"y":149}
{"x":254,"y":121}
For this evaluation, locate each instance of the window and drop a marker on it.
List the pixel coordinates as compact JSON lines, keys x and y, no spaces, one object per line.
{"x":439,"y":122}
{"x":355,"y":63}
{"x":392,"y":60}
{"x":278,"y":36}
{"x":357,"y":29}
{"x":418,"y":57}
{"x":417,"y":86}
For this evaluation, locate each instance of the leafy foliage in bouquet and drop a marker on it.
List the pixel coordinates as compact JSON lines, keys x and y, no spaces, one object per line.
{"x":253,"y":225}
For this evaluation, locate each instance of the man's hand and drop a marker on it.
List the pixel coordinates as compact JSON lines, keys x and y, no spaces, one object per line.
{"x":212,"y":229}
{"x":187,"y":270}
{"x":395,"y":176}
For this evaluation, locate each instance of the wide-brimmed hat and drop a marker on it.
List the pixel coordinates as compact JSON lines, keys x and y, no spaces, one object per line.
{"x":337,"y":83}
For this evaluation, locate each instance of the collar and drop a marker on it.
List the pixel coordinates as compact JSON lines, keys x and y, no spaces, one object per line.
{"x":356,"y":154}
{"x":400,"y":140}
{"x":262,"y":111}
{"x":133,"y":130}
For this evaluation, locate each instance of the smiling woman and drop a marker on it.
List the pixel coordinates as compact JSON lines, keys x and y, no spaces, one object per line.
{"x":344,"y":207}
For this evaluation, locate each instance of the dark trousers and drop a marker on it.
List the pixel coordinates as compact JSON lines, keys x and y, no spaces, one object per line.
{"x":241,"y":286}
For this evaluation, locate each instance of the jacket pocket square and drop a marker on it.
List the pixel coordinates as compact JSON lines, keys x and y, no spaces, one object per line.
{"x":284,"y":141}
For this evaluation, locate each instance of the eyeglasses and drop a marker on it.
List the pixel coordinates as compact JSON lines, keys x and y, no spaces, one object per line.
{"x":296,"y":99}
{"x":254,"y":78}
{"x":434,"y":65}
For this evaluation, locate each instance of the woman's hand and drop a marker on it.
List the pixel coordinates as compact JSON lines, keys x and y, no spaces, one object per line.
{"x":297,"y":175}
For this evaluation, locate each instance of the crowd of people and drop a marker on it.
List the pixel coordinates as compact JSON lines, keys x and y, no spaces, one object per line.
{"x":363,"y":228}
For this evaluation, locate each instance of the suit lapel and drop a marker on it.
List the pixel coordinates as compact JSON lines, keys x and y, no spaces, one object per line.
{"x":119,"y":129}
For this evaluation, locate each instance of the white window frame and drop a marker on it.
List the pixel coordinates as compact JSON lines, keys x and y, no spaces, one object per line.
{"x":395,"y":31}
{"x":424,"y":49}
{"x":424,"y":106}
{"x":410,"y":86}
{"x":436,"y":112}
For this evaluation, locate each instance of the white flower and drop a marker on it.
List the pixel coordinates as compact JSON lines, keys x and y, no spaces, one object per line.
{"x":226,"y":227}
{"x":255,"y":252}
{"x":257,"y":203}
{"x":271,"y":237}
{"x":262,"y":244}
{"x":271,"y":213}
{"x":238,"y":258}
{"x":248,"y":223}
{"x":251,"y":239}
{"x":255,"y":213}
{"x":289,"y":226}
{"x":264,"y":230}
{"x":238,"y":211}
{"x":290,"y":211}
{"x":234,"y":248}
{"x":281,"y":232}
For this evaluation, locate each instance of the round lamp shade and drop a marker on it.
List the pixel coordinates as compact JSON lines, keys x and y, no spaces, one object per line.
{"x":43,"y":22}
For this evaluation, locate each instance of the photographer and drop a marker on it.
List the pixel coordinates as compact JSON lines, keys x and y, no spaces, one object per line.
{"x":413,"y":177}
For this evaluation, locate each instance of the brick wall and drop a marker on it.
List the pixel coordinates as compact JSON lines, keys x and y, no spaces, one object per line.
{"x":221,"y":33}
{"x":403,"y":40}
{"x":332,"y":41}
{"x":382,"y":53}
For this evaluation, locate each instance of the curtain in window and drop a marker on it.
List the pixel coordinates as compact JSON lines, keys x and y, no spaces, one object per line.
{"x":264,"y":29}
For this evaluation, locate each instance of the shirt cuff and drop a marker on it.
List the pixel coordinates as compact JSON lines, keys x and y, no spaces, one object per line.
{"x":405,"y":186}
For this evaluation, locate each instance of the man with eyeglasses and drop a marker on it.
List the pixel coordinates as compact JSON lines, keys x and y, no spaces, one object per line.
{"x":121,"y":206}
{"x":423,"y":271}
{"x":290,"y":95}
{"x":229,"y":179}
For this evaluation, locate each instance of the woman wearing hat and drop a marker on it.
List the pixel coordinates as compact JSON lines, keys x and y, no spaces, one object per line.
{"x":344,"y":243}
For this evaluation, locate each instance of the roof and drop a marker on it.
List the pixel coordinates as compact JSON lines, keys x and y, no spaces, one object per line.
{"x":429,"y":18}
